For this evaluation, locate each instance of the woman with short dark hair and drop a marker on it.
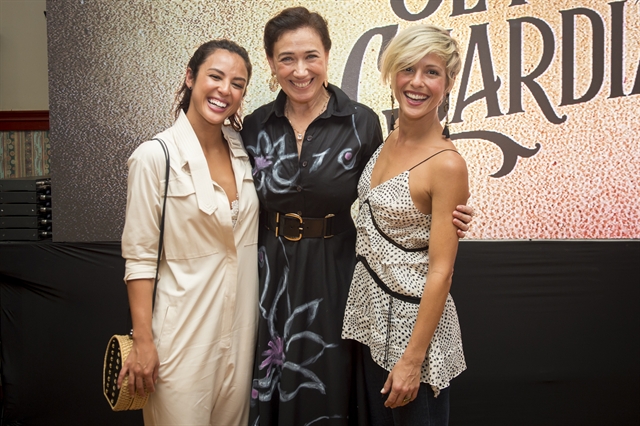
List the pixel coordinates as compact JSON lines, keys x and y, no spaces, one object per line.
{"x":308,"y":149}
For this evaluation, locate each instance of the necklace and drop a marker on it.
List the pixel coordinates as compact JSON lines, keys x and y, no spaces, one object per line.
{"x":297,"y":133}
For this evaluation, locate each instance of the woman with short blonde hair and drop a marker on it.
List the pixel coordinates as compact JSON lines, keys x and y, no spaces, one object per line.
{"x":399,"y":307}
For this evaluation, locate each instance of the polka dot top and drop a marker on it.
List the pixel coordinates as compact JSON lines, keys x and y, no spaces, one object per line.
{"x":393,"y":262}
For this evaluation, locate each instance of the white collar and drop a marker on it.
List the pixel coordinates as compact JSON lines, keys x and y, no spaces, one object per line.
{"x":190,"y":149}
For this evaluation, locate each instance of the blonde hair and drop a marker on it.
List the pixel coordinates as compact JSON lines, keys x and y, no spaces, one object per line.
{"x":414,"y":43}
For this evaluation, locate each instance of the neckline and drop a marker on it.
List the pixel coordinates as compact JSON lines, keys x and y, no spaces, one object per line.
{"x":401,"y":173}
{"x":388,"y":180}
{"x":298,"y":135}
{"x":341,"y":106}
{"x":377,"y":154}
{"x":413,"y":204}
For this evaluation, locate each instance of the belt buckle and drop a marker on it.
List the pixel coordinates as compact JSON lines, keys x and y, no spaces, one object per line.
{"x":300,"y":228}
{"x":330,"y":215}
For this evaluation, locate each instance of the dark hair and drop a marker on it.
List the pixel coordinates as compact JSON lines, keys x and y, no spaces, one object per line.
{"x":183,"y":96}
{"x":292,"y":19}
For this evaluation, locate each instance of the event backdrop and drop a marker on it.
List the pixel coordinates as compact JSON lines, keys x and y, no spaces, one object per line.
{"x":544,"y":110}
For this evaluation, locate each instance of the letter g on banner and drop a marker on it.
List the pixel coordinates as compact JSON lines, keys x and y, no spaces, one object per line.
{"x":400,"y":9}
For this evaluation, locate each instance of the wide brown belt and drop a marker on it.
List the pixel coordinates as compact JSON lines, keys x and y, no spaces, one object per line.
{"x":294,"y":227}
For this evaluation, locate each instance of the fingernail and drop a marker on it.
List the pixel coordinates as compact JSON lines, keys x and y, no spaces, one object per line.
{"x":382,"y":390}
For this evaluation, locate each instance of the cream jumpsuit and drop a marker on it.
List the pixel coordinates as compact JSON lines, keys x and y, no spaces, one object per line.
{"x":205,"y":315}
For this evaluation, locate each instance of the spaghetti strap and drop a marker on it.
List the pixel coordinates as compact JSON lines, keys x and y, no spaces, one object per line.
{"x":432,"y":157}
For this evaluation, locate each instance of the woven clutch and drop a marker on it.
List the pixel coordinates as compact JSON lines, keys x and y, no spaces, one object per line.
{"x":120,"y":345}
{"x":119,"y":399}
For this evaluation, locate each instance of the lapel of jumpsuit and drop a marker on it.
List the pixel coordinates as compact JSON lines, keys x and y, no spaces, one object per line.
{"x":211,"y":197}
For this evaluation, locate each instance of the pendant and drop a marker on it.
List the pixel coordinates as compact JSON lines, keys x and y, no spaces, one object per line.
{"x":299,"y":135}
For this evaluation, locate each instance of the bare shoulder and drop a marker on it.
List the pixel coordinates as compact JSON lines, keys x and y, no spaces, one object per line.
{"x":449,"y":162}
{"x":442,"y":165}
{"x":448,"y":175}
{"x":442,"y":181}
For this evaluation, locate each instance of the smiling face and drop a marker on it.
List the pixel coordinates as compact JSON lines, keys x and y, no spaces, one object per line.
{"x":300,"y":64}
{"x":420,"y":88}
{"x":217,"y":89}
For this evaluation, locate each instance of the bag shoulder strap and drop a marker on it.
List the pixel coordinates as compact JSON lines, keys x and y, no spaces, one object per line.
{"x":164,"y":205}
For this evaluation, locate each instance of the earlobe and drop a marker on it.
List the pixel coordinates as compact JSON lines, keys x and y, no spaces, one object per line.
{"x":450,"y":82}
{"x":188,"y":79}
{"x":271,"y":65}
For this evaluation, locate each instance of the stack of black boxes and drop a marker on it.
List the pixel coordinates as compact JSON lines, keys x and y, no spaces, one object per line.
{"x":25,"y":209}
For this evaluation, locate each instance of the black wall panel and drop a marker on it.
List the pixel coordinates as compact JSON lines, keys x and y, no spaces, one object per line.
{"x":551,"y":331}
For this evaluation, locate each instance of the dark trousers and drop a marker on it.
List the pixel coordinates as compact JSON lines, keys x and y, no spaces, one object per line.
{"x":424,"y":410}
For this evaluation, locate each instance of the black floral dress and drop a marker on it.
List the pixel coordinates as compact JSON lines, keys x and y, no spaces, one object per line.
{"x":303,"y":370}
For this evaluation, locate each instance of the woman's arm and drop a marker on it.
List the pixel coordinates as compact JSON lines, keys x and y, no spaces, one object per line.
{"x":447,"y":188}
{"x":142,"y":363}
{"x":140,"y":249}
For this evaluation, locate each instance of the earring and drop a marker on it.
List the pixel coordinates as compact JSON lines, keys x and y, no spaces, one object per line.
{"x":445,"y":107}
{"x":393,"y":118}
{"x":238,"y":116}
{"x":273,"y":83}
{"x":238,"y":120}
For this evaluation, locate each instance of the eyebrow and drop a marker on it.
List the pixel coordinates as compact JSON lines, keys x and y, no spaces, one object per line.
{"x":221,"y":72}
{"x":438,"y":67}
{"x":293,"y":53}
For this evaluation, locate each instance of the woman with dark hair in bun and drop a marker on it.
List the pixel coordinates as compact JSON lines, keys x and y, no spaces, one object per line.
{"x":195,"y":354}
{"x":308,"y":149}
